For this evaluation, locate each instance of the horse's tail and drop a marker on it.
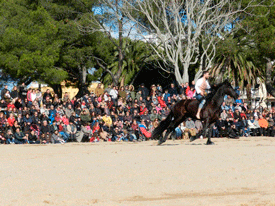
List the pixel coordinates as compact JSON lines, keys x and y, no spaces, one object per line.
{"x":163,"y":125}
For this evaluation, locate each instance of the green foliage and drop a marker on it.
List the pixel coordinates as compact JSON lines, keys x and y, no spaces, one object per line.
{"x":29,"y":48}
{"x":137,"y":55}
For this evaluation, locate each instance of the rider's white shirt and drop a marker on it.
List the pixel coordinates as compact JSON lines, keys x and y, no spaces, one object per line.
{"x":199,"y":84}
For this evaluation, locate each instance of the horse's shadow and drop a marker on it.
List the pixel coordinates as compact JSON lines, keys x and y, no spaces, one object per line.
{"x":168,"y":145}
{"x":195,"y":144}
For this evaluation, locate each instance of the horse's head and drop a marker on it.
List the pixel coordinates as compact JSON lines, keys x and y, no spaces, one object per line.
{"x":228,"y":89}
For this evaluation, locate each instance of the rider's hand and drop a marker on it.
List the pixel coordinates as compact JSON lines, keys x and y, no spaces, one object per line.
{"x":202,"y":94}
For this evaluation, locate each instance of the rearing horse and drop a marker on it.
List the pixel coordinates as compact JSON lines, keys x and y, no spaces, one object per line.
{"x":188,"y":108}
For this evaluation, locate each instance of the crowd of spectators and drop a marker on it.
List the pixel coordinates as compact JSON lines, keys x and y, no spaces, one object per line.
{"x":115,"y":114}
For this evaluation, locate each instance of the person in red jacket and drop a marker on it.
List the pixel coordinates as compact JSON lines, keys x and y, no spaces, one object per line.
{"x":11,"y":120}
{"x":161,"y":101}
{"x":142,"y":109}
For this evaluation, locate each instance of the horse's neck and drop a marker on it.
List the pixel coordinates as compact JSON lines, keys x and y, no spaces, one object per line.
{"x":218,"y":99}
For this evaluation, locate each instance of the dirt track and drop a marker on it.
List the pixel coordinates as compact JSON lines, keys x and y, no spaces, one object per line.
{"x":231,"y":172}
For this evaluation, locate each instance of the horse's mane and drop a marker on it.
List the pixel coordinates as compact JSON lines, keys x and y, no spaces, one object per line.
{"x":214,"y":90}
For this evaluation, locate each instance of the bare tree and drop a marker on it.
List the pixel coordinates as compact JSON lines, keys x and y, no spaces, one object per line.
{"x":107,"y":17}
{"x":186,"y":32}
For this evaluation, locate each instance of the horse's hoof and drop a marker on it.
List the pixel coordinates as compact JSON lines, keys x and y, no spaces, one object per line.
{"x":210,"y":143}
{"x":159,"y":142}
{"x":192,"y":139}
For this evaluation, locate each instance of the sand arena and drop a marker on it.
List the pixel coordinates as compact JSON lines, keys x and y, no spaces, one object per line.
{"x":231,"y":172}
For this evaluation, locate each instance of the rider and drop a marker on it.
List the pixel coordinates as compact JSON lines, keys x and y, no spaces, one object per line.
{"x":201,"y":86}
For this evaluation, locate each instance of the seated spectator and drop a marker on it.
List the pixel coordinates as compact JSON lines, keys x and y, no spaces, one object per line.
{"x":45,"y":133}
{"x":2,"y":139}
{"x":190,"y":127}
{"x":56,"y":138}
{"x":9,"y":136}
{"x":11,"y":120}
{"x":239,"y":101}
{"x":63,"y":131}
{"x":224,"y":107}
{"x":231,"y":107}
{"x":32,"y":138}
{"x":221,"y":127}
{"x":271,"y":125}
{"x":85,"y":116}
{"x":72,"y":130}
{"x":69,"y":111}
{"x":85,"y":133}
{"x":263,"y":125}
{"x":224,"y":115}
{"x":116,"y":134}
{"x":27,"y":119}
{"x":20,"y":137}
{"x":245,"y":128}
{"x":143,"y":129}
{"x":198,"y":126}
{"x":190,"y":93}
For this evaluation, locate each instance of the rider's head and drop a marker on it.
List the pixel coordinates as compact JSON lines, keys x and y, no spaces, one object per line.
{"x":206,"y":74}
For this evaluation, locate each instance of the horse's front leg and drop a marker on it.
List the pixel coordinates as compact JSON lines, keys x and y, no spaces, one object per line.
{"x":209,"y":142}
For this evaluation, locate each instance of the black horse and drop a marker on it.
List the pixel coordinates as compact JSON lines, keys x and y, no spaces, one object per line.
{"x":188,"y":108}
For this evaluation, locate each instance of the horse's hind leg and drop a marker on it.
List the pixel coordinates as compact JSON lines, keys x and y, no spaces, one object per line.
{"x":170,"y":129}
{"x":163,"y":139}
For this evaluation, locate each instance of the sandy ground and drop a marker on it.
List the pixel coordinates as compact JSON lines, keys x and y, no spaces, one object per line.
{"x":231,"y":172}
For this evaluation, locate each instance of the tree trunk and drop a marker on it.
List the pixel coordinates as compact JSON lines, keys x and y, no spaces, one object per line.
{"x":120,"y":48}
{"x":269,"y":87}
{"x":82,"y":86}
{"x":248,"y":94}
{"x":57,"y":89}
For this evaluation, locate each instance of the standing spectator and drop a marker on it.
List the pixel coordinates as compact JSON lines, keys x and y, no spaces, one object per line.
{"x":48,"y":95}
{"x":39,"y":97}
{"x":4,"y":91}
{"x":144,"y":91}
{"x":14,"y":93}
{"x":182,"y":89}
{"x":99,"y":90}
{"x":114,"y":94}
{"x":159,"y":88}
{"x":122,"y":93}
{"x":29,"y":97}
{"x":108,"y":89}
{"x":23,"y":91}
{"x":172,"y":90}
{"x":166,"y":95}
